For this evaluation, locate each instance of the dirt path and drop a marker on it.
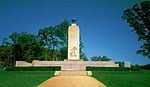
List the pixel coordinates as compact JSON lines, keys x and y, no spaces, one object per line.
{"x":72,"y":81}
{"x":77,"y":80}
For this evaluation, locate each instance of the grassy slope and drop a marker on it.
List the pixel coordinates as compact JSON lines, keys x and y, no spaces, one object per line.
{"x":123,"y":79}
{"x":23,"y":79}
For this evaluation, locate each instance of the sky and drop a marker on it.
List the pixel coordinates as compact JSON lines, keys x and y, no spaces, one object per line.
{"x":102,"y":30}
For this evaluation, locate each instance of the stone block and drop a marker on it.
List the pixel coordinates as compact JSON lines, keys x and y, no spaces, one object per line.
{"x":89,"y":73}
{"x":23,"y":63}
{"x":127,"y":64}
{"x":57,"y":73}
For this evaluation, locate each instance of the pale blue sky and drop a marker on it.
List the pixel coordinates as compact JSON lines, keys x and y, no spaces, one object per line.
{"x":103,"y":31}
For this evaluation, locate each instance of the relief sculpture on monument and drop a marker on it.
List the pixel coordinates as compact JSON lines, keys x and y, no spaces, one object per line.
{"x":73,"y":52}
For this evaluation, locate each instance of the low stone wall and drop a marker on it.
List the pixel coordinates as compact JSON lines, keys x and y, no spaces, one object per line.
{"x":69,"y":65}
{"x":23,"y":63}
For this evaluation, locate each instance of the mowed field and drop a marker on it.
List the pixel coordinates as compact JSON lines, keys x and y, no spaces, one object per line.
{"x":23,"y":79}
{"x":109,"y":78}
{"x":123,"y":78}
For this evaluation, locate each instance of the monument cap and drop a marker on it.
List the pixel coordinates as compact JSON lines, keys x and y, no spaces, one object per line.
{"x":73,"y":20}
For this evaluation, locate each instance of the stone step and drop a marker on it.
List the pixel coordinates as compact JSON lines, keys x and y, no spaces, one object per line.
{"x":73,"y":73}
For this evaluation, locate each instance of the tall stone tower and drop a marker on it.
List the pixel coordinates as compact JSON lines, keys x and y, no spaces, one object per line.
{"x":73,"y":41}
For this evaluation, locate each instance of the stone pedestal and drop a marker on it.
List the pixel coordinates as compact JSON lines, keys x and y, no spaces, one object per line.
{"x":73,"y":42}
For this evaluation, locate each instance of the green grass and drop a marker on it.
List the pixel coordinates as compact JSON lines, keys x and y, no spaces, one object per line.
{"x":123,"y":79}
{"x":23,"y":79}
{"x":109,"y":78}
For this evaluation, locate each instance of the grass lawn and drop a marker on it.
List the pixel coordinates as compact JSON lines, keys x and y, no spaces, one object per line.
{"x":23,"y":79}
{"x":123,"y":79}
{"x":109,"y":78}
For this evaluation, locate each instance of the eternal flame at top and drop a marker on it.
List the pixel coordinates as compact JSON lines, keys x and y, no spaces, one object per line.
{"x":73,"y":20}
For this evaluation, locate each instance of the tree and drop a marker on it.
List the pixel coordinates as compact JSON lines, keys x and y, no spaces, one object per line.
{"x":83,"y":56}
{"x":63,"y":53}
{"x":104,"y":58}
{"x":54,"y":37}
{"x":139,"y":18}
{"x":49,"y":38}
{"x":62,"y":32}
{"x":94,"y":58}
{"x":100,"y":58}
{"x":25,"y":46}
{"x":6,"y":56}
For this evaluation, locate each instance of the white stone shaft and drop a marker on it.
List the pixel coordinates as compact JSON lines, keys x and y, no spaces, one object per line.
{"x":73,"y":42}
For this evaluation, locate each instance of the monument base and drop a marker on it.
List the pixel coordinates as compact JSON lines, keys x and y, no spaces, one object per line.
{"x":70,"y":65}
{"x":73,"y":73}
{"x":73,"y":60}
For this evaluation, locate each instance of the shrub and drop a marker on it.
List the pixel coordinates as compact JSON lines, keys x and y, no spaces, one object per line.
{"x":9,"y":68}
{"x":3,"y":64}
{"x":145,"y":67}
{"x":34,"y":68}
{"x":135,"y":67}
{"x":88,"y":68}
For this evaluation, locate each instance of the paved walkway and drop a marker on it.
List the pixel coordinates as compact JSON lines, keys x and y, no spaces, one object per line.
{"x":79,"y":80}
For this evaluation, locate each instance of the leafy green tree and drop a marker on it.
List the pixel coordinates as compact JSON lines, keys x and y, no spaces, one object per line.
{"x":94,"y":58}
{"x":6,"y":56}
{"x":83,"y":56}
{"x":139,"y":18}
{"x":6,"y":42}
{"x":25,"y":46}
{"x":104,"y":58}
{"x":55,"y":37}
{"x":63,"y":53}
{"x":100,"y":58}
{"x":49,"y":38}
{"x":62,"y":32}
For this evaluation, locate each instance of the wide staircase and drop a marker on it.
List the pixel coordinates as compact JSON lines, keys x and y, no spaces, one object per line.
{"x":73,"y":73}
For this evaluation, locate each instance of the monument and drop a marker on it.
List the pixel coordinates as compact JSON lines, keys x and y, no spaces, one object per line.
{"x":73,"y":41}
{"x":72,"y":62}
